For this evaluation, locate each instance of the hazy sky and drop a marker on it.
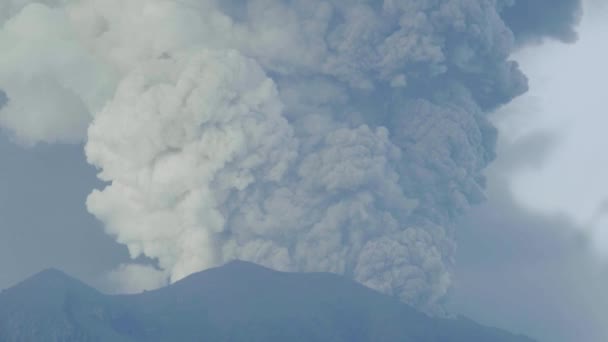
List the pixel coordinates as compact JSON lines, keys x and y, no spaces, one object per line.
{"x":43,"y":220}
{"x":566,"y":101}
{"x":531,"y":259}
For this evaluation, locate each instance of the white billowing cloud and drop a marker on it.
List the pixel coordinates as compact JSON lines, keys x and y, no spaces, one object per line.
{"x":304,"y":135}
{"x":134,"y":278}
{"x":179,"y":136}
{"x":42,"y":110}
{"x":53,"y":83}
{"x":126,"y":33}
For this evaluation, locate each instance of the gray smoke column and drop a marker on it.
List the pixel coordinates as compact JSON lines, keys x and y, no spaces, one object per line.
{"x":304,"y":135}
{"x":535,"y":19}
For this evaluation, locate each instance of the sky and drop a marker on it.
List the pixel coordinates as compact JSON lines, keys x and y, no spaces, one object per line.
{"x":533,"y":257}
{"x":567,"y":89}
{"x":529,"y":259}
{"x":43,"y":217}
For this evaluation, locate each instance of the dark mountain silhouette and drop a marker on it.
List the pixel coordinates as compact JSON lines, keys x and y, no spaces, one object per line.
{"x":237,"y":302}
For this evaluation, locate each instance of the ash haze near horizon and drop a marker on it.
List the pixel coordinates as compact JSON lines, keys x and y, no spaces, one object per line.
{"x":341,"y":136}
{"x":537,"y":245}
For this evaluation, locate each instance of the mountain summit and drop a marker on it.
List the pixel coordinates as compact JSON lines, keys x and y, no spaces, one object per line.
{"x":237,"y":302}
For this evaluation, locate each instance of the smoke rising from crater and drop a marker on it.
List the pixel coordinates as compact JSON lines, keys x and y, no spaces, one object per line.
{"x":339,"y":136}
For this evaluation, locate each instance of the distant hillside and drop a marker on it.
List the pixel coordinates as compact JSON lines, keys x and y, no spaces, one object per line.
{"x":236,"y":302}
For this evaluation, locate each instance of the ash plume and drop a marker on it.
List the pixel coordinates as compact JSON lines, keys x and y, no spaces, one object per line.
{"x":304,"y":135}
{"x":533,"y":20}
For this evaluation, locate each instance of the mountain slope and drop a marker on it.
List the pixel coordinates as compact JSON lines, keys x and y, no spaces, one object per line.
{"x":237,"y":302}
{"x":52,"y":306}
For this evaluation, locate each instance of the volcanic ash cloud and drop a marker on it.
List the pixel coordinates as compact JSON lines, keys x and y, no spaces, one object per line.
{"x":340,"y":136}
